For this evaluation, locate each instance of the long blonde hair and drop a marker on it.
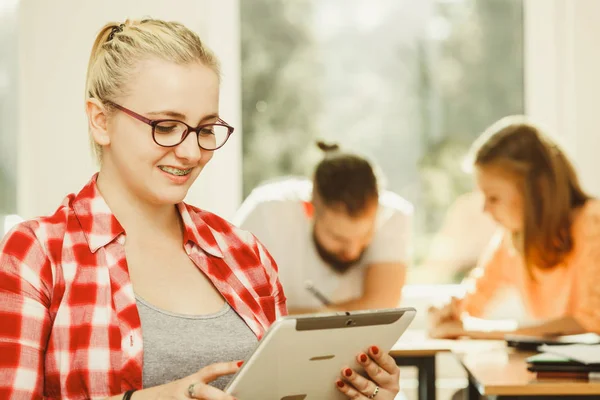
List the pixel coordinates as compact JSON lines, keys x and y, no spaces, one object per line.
{"x":119,"y":48}
{"x":550,"y":186}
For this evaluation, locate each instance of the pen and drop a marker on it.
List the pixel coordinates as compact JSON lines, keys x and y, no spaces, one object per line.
{"x":311,"y":288}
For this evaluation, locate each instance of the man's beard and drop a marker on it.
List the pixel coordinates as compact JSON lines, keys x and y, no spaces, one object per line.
{"x":333,"y":261}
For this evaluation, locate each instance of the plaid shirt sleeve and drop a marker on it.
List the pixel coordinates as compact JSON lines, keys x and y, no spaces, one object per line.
{"x":271,"y":267}
{"x":25,"y":287}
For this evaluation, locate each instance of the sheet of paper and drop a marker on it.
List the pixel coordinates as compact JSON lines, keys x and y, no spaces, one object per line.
{"x":583,"y":353}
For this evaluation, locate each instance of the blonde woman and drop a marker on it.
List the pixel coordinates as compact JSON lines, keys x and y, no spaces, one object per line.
{"x":126,"y":291}
{"x":549,"y":246}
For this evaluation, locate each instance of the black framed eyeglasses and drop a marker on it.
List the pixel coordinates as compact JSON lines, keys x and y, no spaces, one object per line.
{"x":172,"y":132}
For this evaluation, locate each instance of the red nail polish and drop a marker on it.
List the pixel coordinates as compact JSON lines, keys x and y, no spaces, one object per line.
{"x":348,"y":372}
{"x":363,"y":358}
{"x":239,"y":364}
{"x":340,"y":384}
{"x":375,"y":350}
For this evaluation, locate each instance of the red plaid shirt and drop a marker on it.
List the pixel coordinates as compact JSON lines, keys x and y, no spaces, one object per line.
{"x":69,"y":325}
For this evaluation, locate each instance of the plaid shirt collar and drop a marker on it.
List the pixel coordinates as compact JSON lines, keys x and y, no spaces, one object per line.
{"x":91,"y":210}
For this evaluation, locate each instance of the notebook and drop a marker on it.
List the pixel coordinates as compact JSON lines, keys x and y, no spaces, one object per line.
{"x":531,"y":343}
{"x":583,"y":353}
{"x":548,"y":362}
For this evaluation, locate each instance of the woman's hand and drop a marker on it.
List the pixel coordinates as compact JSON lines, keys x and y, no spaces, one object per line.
{"x":383,"y":382}
{"x":196,"y":386}
{"x":449,"y":329}
{"x":445,"y":322}
{"x":446,"y":314}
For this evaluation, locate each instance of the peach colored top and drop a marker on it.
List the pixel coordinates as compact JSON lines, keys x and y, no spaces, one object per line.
{"x":572,"y":288}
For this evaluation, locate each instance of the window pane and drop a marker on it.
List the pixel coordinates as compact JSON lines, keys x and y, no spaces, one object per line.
{"x":408,"y":83}
{"x":8,"y":110}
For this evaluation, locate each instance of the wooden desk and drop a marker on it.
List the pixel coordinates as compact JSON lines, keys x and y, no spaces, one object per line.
{"x":417,"y":350}
{"x":416,"y":343}
{"x":502,"y":372}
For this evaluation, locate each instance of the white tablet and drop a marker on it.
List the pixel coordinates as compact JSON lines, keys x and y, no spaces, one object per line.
{"x":301,"y":357}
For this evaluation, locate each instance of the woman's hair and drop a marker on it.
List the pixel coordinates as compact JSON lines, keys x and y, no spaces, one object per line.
{"x":550,"y":187}
{"x":119,"y":48}
{"x":344,"y":180}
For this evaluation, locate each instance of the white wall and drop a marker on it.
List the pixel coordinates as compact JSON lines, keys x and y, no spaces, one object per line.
{"x":55,"y":39}
{"x":562,"y":78}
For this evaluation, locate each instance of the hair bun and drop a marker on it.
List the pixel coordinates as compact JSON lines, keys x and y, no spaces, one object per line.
{"x":328,"y":147}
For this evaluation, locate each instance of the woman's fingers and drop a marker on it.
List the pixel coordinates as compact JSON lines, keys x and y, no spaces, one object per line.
{"x":383,"y":376}
{"x":448,"y":310}
{"x":451,"y":311}
{"x":384,"y":360}
{"x":441,"y":314}
{"x":456,"y":307}
{"x":214,"y":371}
{"x":433,"y":316}
{"x":377,"y":374}
{"x":207,"y":392}
{"x":363,"y":385}
{"x":448,"y":330}
{"x":348,"y":390}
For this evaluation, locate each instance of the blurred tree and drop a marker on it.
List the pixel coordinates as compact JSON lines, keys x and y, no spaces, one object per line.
{"x":487,"y":42}
{"x":478,"y":79}
{"x":280,"y":80}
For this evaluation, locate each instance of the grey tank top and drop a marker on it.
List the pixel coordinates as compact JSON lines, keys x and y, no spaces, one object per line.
{"x":177,"y":345}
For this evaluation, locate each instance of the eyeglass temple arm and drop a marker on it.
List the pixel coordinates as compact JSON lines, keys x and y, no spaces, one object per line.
{"x":131,"y":113}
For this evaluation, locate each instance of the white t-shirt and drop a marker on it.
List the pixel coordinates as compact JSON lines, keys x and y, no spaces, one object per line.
{"x":276,"y":214}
